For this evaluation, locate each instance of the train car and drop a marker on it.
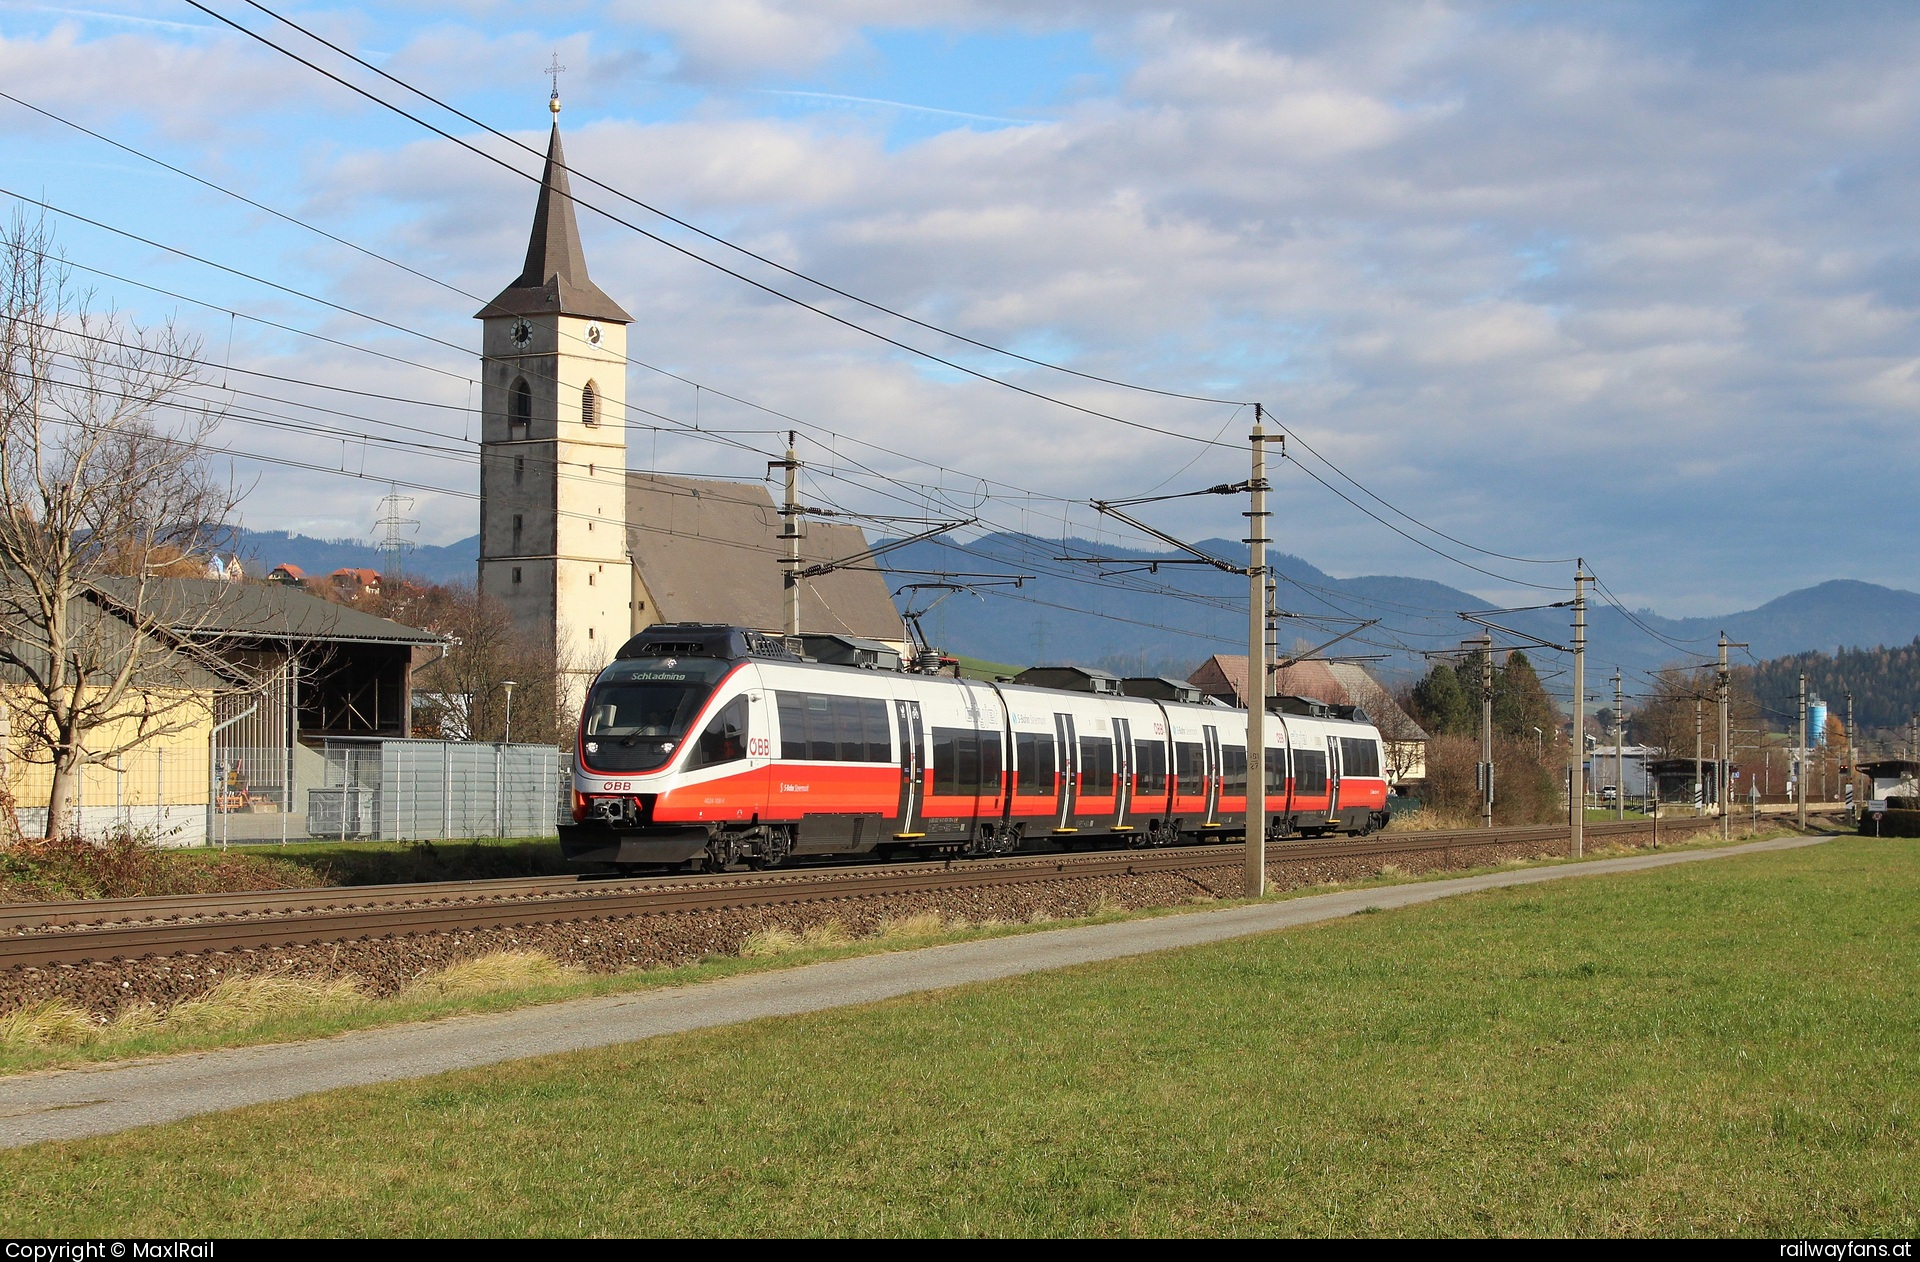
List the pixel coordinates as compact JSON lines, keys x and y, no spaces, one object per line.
{"x":719,"y":745}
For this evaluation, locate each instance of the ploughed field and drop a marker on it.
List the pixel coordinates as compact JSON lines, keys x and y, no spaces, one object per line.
{"x":1718,"y":1048}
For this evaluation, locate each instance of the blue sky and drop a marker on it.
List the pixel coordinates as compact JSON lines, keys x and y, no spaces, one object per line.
{"x":1633,"y":282}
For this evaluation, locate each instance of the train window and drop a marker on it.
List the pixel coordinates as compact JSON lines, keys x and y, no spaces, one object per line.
{"x":1309,"y":772}
{"x":638,"y":711}
{"x":822,"y":744}
{"x":966,"y":774}
{"x":793,"y":725}
{"x":724,"y":739}
{"x":1233,"y":770}
{"x":1096,"y":766}
{"x":1359,"y":757}
{"x":1189,"y":764}
{"x":946,"y":760}
{"x":816,"y":728}
{"x":848,"y":728}
{"x":1150,"y":763}
{"x":1276,"y":771}
{"x":966,"y":762}
{"x":873,"y":723}
{"x":1034,"y":754}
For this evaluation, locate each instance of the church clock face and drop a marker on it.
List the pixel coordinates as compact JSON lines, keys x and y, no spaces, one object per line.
{"x":522,"y":334}
{"x":593,"y":334}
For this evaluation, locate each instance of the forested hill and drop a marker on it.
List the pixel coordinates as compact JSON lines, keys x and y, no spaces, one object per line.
{"x":1885,"y":683}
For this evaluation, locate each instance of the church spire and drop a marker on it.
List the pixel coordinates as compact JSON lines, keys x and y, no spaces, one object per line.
{"x":554,"y":280}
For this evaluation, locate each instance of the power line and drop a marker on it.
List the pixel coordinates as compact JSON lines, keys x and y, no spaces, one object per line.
{"x":698,"y":386}
{"x":719,"y":240}
{"x":677,"y":248}
{"x":1294,"y":436}
{"x":1519,"y":582}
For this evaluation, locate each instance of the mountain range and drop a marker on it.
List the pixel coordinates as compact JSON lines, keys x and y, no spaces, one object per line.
{"x":1151,"y":614}
{"x":261,"y":550}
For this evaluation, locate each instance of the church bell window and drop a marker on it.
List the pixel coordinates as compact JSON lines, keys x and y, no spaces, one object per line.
{"x":589,"y":405}
{"x":519,"y":409}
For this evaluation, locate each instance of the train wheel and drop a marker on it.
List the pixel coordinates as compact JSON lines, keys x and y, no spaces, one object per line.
{"x":722,"y":853}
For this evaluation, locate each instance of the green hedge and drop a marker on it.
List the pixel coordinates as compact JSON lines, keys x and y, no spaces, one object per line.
{"x":1895,"y":824}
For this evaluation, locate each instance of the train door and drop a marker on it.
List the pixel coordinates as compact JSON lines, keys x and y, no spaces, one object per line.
{"x":1333,"y":778}
{"x":1123,"y":772}
{"x":1212,"y":738}
{"x":1069,"y":748}
{"x":913,"y":772}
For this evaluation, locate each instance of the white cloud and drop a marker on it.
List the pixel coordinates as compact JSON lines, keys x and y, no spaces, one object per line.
{"x":1522,"y":270}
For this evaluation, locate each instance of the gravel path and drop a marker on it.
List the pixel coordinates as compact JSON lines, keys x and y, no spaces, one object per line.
{"x":72,"y":1104}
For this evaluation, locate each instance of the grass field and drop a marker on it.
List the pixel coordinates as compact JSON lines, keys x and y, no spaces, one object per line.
{"x":1721,"y":1048}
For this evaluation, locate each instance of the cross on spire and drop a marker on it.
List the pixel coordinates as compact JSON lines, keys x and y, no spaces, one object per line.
{"x":556,"y":70}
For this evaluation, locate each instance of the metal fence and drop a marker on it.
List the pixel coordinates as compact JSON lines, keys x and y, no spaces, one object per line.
{"x":369,"y":790}
{"x":410,"y":790}
{"x":157,"y":792}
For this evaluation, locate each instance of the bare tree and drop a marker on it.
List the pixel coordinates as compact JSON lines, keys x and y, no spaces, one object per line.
{"x":104,"y":487}
{"x":1402,"y":741}
{"x":463,"y":695}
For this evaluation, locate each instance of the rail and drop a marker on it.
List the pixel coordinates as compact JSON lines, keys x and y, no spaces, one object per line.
{"x":52,"y":934}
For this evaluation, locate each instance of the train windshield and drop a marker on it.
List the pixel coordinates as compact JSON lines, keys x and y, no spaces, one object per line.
{"x":637,"y":713}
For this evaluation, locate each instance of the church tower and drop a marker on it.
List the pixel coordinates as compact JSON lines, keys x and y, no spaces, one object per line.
{"x":553,"y":444}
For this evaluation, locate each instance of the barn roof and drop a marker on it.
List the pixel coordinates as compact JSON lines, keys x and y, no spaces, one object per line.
{"x":1224,"y":675}
{"x":205,"y":609}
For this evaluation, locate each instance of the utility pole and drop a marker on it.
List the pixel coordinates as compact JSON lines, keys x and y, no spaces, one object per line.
{"x":1723,"y":686}
{"x":1486,"y":729}
{"x":1619,"y":753}
{"x":790,"y":532}
{"x":1851,"y":757}
{"x":1256,"y":862}
{"x":1577,"y":755}
{"x":1699,"y":787}
{"x":1271,"y":686}
{"x":1800,"y":778}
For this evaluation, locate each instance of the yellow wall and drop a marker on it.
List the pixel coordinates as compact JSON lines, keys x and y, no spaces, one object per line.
{"x":166,"y":770}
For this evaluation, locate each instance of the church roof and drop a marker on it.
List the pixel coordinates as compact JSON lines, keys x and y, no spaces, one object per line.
{"x":709,"y":552}
{"x":554,"y":280}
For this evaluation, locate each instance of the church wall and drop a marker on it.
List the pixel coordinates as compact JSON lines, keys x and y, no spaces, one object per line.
{"x":565,"y":482}
{"x":594,"y":584}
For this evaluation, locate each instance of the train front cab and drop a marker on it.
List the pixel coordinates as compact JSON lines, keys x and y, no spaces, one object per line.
{"x":670,"y":751}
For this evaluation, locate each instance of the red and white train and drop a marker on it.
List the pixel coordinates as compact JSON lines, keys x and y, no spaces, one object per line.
{"x":714,"y":743}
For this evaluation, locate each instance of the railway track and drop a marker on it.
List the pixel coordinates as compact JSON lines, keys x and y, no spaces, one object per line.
{"x":40,"y":935}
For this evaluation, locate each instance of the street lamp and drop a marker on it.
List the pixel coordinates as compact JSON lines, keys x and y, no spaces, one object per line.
{"x":509,"y":685}
{"x":1539,"y":744}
